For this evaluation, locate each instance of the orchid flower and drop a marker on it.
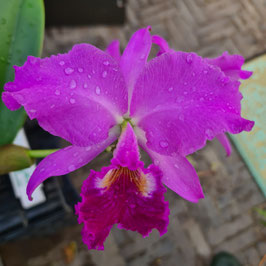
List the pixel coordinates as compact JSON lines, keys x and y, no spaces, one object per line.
{"x":170,"y":106}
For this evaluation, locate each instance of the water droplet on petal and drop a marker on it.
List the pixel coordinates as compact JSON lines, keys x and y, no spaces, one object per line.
{"x":42,"y":170}
{"x":209,"y":133}
{"x":98,"y":90}
{"x":193,"y":88}
{"x":163,"y":144}
{"x":88,"y":148}
{"x":185,"y":83}
{"x":71,"y":167}
{"x":170,"y":89}
{"x":104,"y":74}
{"x":205,"y":72}
{"x":189,"y":59}
{"x":89,"y":76}
{"x":80,"y":69}
{"x":72,"y":101}
{"x":61,"y":63}
{"x":193,"y":74}
{"x":201,"y":99}
{"x":73,"y":84}
{"x":69,"y":70}
{"x":185,"y":92}
{"x":106,"y":63}
{"x":142,"y":56}
{"x":85,"y":86}
{"x":52,"y":106}
{"x":57,"y":92}
{"x":176,"y":166}
{"x":76,"y":154}
{"x":33,"y":111}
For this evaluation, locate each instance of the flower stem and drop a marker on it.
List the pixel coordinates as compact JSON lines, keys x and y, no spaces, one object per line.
{"x":40,"y":153}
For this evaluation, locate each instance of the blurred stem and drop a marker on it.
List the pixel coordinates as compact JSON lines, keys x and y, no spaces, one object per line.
{"x":40,"y":153}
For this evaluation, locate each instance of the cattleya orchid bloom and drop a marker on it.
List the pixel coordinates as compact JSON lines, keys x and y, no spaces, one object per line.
{"x":170,"y":106}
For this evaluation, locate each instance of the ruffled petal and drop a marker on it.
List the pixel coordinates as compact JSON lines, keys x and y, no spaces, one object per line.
{"x":113,"y":49}
{"x":133,"y":199}
{"x":135,"y":57}
{"x":225,"y":143}
{"x":180,"y":101}
{"x":67,"y":160}
{"x":178,"y":174}
{"x":78,"y":96}
{"x":231,"y":65}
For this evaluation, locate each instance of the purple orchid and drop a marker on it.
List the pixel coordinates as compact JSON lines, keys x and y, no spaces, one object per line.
{"x":170,"y":106}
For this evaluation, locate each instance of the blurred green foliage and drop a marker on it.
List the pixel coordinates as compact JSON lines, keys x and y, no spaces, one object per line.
{"x":21,"y":34}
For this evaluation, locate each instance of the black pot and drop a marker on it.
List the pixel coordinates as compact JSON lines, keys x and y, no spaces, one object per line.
{"x":47,"y":217}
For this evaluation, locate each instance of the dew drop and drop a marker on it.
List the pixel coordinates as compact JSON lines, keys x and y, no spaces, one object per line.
{"x":209,"y":133}
{"x":88,"y":148}
{"x":85,"y":86}
{"x":42,"y":170}
{"x":189,"y":59}
{"x":104,"y":74}
{"x":201,"y":99}
{"x":194,"y":89}
{"x":185,"y":92}
{"x":163,"y":144}
{"x":69,"y":70}
{"x":71,"y":167}
{"x":72,"y":101}
{"x":89,"y":76}
{"x":106,"y":63}
{"x":193,"y":74}
{"x":142,"y":56}
{"x":73,"y":84}
{"x":61,"y":63}
{"x":176,"y":166}
{"x":185,"y":83}
{"x":170,"y":89}
{"x":57,"y":92}
{"x":52,"y":106}
{"x":98,"y":90}
{"x":205,"y":72}
{"x":80,"y":69}
{"x":33,"y":111}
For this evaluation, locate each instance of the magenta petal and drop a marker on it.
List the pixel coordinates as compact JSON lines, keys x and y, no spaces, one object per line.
{"x":133,"y":199}
{"x":66,"y":160}
{"x":180,"y":101}
{"x":135,"y":57}
{"x":162,"y":43}
{"x":178,"y":174}
{"x":230,"y":65}
{"x":78,"y":96}
{"x":225,"y":143}
{"x":113,"y":49}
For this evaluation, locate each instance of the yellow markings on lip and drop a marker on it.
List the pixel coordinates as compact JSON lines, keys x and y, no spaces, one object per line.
{"x":123,"y":174}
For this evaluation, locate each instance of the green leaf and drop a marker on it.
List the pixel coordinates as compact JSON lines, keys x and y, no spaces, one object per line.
{"x":21,"y":34}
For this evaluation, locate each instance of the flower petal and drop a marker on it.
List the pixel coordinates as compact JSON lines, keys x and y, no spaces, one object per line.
{"x":113,"y":49}
{"x":131,"y":198}
{"x":162,"y":43}
{"x":178,"y":174}
{"x":78,"y":96}
{"x":135,"y":57}
{"x":180,"y":101}
{"x":230,"y":65}
{"x":225,"y":143}
{"x":67,"y":160}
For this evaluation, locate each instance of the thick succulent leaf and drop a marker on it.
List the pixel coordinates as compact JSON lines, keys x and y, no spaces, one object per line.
{"x":21,"y":31}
